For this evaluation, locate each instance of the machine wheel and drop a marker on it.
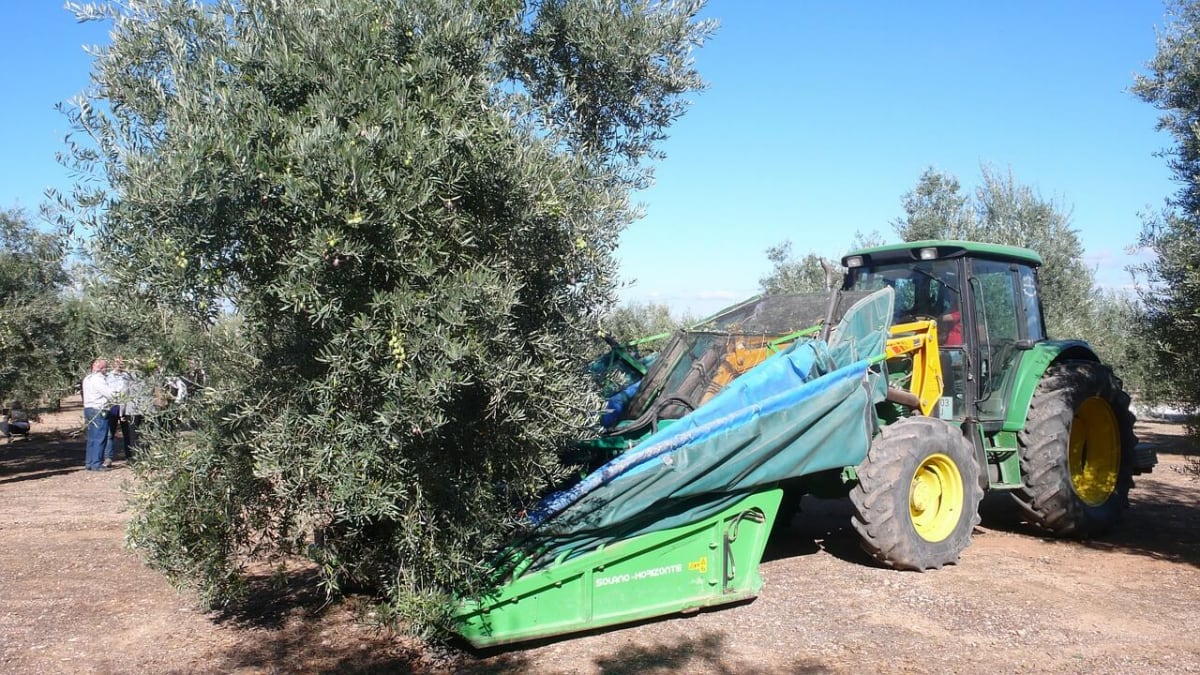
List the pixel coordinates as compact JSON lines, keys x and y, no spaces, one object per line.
{"x":918,"y":494}
{"x":1077,"y":451}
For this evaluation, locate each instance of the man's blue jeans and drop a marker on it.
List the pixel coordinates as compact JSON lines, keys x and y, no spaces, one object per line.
{"x":97,"y":436}
{"x":114,"y":422}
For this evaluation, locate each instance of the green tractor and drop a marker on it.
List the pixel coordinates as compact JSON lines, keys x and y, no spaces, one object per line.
{"x":925,"y":381}
{"x":1041,"y":419}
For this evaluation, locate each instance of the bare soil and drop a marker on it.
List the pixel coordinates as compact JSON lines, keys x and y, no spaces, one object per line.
{"x":74,"y":599}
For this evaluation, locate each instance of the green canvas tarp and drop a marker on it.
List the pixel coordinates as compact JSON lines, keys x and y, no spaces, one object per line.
{"x":804,"y":410}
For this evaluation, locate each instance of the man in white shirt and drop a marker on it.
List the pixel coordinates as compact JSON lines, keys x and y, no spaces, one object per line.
{"x":97,"y":396}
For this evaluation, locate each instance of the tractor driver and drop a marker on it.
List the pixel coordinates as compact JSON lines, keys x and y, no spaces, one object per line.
{"x":950,"y":322}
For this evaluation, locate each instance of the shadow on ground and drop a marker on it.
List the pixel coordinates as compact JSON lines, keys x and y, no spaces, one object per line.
{"x":1167,"y":443}
{"x":706,"y":653}
{"x":819,"y":525}
{"x":40,"y":455}
{"x":1163,"y":521}
{"x":287,"y":624}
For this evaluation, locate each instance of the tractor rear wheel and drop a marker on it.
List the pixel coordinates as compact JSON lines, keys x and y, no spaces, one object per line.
{"x":1077,"y":451}
{"x":918,"y":494}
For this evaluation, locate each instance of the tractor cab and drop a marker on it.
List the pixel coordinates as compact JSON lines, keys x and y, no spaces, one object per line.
{"x":983,"y":302}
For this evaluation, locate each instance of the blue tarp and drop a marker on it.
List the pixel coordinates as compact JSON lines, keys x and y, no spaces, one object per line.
{"x":801,"y":411}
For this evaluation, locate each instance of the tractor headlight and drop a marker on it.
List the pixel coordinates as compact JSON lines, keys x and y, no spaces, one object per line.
{"x":854,"y":261}
{"x":927,"y":254}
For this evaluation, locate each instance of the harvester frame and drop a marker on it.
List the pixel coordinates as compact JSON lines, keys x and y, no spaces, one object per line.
{"x":932,"y":383}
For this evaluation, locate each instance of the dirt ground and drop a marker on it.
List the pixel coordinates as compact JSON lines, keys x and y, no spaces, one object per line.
{"x":73,"y":599}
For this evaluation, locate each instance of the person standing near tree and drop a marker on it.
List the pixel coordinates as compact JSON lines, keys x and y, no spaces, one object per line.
{"x":96,"y":398}
{"x":138,"y":400}
{"x":118,"y":382}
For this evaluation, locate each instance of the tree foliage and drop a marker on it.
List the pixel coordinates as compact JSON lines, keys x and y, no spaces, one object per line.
{"x":810,"y":273}
{"x":107,"y":318}
{"x":412,"y":208}
{"x":1120,"y":332}
{"x":638,"y":320}
{"x":55,"y":319}
{"x":1172,"y":293}
{"x":807,"y":274}
{"x":1003,"y":211}
{"x":36,"y":357}
{"x":936,"y":208}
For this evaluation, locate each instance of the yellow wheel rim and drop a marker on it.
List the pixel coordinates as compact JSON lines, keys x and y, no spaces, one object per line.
{"x":935,"y":499}
{"x":1095,"y":451}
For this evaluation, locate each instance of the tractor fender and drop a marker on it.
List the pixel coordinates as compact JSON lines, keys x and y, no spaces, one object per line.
{"x":1032,"y":366}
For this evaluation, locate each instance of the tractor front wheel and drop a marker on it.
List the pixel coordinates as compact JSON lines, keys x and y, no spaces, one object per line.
{"x":1077,"y":451}
{"x":917,"y":497}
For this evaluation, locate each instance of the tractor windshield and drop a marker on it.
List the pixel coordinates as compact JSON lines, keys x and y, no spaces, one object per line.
{"x":925,"y":289}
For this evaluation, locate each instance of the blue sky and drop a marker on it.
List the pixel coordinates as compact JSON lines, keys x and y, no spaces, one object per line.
{"x":42,"y":62}
{"x":819,"y":117}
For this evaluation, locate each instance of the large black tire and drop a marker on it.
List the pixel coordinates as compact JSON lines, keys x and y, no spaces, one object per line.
{"x":1077,"y":451}
{"x":917,"y":497}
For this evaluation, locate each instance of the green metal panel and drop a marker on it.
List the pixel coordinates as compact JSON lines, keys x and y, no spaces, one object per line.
{"x":970,"y":248}
{"x":1003,"y":451}
{"x":711,"y":562}
{"x":1033,"y":364}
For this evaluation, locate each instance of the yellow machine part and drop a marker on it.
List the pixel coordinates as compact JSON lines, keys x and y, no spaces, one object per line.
{"x":919,"y":341}
{"x":742,"y":354}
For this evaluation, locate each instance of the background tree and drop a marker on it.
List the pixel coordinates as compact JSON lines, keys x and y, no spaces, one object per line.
{"x":936,"y":209}
{"x":1002,"y":211}
{"x":109,"y":319}
{"x":642,"y":319}
{"x":1172,"y":293}
{"x":1005,"y":212}
{"x":37,"y":361}
{"x":808,"y":274}
{"x":1120,"y":332}
{"x":811,"y":273}
{"x":412,"y":207}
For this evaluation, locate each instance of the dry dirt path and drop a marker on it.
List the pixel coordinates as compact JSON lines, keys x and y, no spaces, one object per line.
{"x":74,"y":600}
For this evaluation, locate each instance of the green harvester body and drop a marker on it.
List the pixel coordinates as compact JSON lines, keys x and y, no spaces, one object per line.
{"x":703,"y":564}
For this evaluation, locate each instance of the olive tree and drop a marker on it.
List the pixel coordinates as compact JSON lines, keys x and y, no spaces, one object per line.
{"x":1172,"y":291}
{"x":36,"y":361}
{"x":810,"y":273}
{"x":1003,"y":211}
{"x":637,"y":320}
{"x":807,"y":274}
{"x":412,"y":209}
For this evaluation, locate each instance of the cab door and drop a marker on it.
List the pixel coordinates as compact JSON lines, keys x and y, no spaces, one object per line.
{"x":1007,"y":322}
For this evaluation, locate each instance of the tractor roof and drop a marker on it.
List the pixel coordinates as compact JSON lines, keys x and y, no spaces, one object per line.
{"x":946,"y":248}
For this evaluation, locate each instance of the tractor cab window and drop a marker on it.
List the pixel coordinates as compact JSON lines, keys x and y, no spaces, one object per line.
{"x":928,"y":289}
{"x":1034,"y":329}
{"x":999,"y":307}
